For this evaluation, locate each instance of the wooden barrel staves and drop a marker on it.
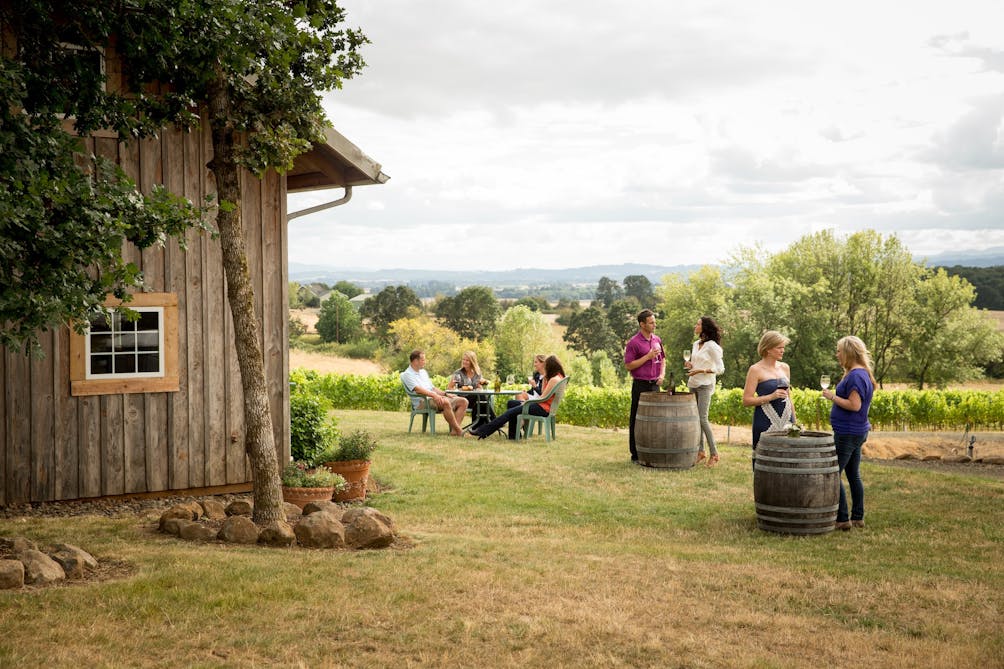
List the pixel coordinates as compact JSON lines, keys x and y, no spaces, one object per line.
{"x":667,"y":430}
{"x":796,"y":483}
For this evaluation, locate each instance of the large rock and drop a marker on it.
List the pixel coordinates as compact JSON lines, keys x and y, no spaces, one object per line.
{"x":291,"y":511}
{"x":17,"y":545}
{"x":174,"y":525}
{"x":326,"y":506}
{"x":71,"y":563}
{"x":195,"y":507}
{"x":278,"y":534}
{"x":349,"y":515}
{"x":320,"y":530}
{"x":239,"y":507}
{"x":88,"y":559}
{"x":213,"y":509}
{"x":192,"y":531}
{"x":40,"y":569}
{"x":179,"y":511}
{"x":367,"y":528}
{"x":11,"y":574}
{"x":238,"y":529}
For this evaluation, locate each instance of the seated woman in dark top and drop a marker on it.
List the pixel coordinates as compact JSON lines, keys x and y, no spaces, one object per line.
{"x":468,"y":377}
{"x":553,"y":373}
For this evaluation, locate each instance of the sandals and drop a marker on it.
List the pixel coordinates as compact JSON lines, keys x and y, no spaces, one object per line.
{"x":700,"y":456}
{"x":712,"y":461}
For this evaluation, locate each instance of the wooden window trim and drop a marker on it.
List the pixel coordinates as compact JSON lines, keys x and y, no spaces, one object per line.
{"x":80,"y":385}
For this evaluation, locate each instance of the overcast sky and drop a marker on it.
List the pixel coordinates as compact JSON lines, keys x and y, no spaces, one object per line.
{"x":564,"y":133}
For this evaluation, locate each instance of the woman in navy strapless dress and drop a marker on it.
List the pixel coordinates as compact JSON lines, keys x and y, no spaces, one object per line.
{"x":766,"y":387}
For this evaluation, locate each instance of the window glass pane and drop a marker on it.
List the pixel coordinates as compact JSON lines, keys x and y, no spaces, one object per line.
{"x":101,"y":343}
{"x":148,"y":320}
{"x":116,"y":321}
{"x":101,"y":364}
{"x":125,"y":342}
{"x":125,"y":363}
{"x":148,"y":362}
{"x":149,"y":341}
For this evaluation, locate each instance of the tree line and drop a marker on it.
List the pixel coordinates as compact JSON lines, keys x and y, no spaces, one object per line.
{"x":920,"y":323}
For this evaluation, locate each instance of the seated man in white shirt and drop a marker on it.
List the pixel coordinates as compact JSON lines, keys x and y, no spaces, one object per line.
{"x":416,"y":380}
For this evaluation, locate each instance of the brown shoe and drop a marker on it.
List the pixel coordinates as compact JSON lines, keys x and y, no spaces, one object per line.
{"x":712,"y":461}
{"x":700,"y":456}
{"x":843,"y":525}
{"x":860,"y":524}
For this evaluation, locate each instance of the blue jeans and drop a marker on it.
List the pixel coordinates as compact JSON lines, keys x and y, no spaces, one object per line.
{"x":849,"y":458}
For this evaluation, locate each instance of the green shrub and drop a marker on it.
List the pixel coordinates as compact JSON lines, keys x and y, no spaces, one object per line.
{"x":302,"y":475}
{"x":357,"y":445}
{"x":311,"y":429}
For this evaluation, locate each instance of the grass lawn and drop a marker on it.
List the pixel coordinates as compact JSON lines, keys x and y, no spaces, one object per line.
{"x":545,"y":555}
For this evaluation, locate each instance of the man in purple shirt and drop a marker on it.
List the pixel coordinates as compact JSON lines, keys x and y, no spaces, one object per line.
{"x":644,"y":358}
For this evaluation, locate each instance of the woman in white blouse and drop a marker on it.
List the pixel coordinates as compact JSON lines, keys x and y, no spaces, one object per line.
{"x":704,"y":365}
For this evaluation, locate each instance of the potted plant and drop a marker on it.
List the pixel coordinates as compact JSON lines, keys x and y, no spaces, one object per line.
{"x":351,"y":459}
{"x":302,"y":483}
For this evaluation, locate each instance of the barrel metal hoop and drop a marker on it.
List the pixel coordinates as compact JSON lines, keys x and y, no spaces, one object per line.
{"x":667,"y":419}
{"x":793,"y":470}
{"x":795,"y":530}
{"x":795,"y":509}
{"x":794,"y":521}
{"x":770,"y":458}
{"x":645,"y":449}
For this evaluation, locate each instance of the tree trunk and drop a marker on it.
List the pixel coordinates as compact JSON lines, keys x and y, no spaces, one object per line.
{"x":259,"y":439}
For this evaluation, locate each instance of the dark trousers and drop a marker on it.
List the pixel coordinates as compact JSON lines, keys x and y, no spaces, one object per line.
{"x":510,"y":416}
{"x":849,"y":460}
{"x":637,"y":388}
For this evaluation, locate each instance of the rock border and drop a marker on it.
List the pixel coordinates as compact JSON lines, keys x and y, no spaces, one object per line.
{"x":319,"y":525}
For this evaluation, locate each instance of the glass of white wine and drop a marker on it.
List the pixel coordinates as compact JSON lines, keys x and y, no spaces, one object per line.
{"x":824,"y":381}
{"x":686,"y":356}
{"x":510,"y":379}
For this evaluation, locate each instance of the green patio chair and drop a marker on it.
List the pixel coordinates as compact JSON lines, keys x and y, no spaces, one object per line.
{"x":525,"y":421}
{"x":426,"y":409}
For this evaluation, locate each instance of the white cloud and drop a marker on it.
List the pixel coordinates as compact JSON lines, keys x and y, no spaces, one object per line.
{"x":576,"y":123}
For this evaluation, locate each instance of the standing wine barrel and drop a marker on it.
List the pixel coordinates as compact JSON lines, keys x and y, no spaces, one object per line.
{"x":796,"y":483}
{"x":667,"y":430}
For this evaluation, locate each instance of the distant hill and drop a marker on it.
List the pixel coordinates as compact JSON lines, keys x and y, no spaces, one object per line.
{"x":523,"y":277}
{"x":991,"y":257}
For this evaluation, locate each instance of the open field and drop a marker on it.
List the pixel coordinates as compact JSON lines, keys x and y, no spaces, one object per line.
{"x":545,"y":555}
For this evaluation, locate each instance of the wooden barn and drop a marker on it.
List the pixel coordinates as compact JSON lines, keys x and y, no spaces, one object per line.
{"x":155,"y":406}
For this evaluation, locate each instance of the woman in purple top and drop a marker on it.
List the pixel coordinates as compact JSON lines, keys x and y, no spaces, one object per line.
{"x":849,"y":419}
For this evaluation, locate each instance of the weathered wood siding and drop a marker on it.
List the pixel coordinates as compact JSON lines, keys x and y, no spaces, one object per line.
{"x":54,"y":446}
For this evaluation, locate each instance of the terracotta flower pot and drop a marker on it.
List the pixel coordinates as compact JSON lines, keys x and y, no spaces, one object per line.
{"x":301,"y":496}
{"x":355,"y":473}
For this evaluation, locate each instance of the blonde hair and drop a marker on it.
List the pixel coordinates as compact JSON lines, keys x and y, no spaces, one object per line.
{"x":472,"y":356}
{"x":854,"y":352}
{"x":769,"y":340}
{"x":540,"y":357}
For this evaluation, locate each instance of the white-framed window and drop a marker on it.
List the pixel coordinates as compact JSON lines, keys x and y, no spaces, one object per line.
{"x":117,"y":356}
{"x":120,"y":348}
{"x":92,"y":58}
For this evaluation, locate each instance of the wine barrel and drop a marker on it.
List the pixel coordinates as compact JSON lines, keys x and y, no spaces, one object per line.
{"x":796,"y":483}
{"x":667,"y":430}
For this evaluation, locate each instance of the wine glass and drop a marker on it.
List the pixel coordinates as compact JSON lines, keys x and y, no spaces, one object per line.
{"x":510,"y":379}
{"x":686,"y":355}
{"x":824,"y":381}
